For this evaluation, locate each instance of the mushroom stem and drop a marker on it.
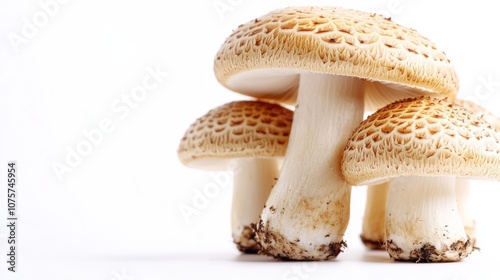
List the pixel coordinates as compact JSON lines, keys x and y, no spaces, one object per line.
{"x":373,"y":229}
{"x":308,"y":210}
{"x":423,"y":223}
{"x":253,"y":181}
{"x":462,"y":189}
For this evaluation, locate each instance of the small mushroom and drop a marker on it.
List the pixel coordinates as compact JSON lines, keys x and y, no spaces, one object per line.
{"x":422,"y":144}
{"x":334,"y":63}
{"x":373,"y":229}
{"x":249,"y":138}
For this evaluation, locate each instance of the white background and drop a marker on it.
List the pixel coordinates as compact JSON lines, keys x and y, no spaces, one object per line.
{"x":116,"y":214}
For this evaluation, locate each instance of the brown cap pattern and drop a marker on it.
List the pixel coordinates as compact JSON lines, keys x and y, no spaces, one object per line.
{"x":235,"y":130}
{"x":421,"y":137}
{"x":330,"y":40}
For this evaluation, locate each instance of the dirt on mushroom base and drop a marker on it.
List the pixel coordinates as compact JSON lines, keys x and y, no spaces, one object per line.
{"x":247,"y":243}
{"x":281,"y":248}
{"x":372,"y":244}
{"x":428,"y":253}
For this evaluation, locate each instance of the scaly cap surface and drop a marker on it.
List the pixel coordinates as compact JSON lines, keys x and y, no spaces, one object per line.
{"x":264,"y":57}
{"x":421,"y":137}
{"x":477,"y":109}
{"x":236,"y":130}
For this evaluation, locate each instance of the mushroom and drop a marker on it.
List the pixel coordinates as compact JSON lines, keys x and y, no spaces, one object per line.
{"x":248,"y":137}
{"x":373,"y":230}
{"x":330,"y":62}
{"x":422,"y":145}
{"x":463,"y":185}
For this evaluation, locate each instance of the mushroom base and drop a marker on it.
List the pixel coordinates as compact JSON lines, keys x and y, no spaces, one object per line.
{"x":373,"y":244}
{"x":276,"y":245}
{"x":245,"y":241}
{"x":422,"y":221}
{"x":253,"y":181}
{"x":427,"y":252}
{"x":373,"y":229}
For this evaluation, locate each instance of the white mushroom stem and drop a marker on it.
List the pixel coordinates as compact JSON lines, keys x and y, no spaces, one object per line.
{"x":308,"y":210}
{"x":423,"y":223}
{"x":373,"y":229}
{"x":253,"y":181}
{"x":462,"y":190}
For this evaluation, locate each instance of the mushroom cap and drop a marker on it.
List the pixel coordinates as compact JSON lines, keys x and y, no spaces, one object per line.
{"x":237,"y":129}
{"x":263,"y":58}
{"x":421,"y":137}
{"x":475,"y":108}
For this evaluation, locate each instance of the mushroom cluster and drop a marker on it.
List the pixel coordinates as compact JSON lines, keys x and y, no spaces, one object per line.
{"x":335,"y":65}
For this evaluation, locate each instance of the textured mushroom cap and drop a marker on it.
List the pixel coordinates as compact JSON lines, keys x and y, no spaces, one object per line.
{"x":475,"y":108}
{"x":236,"y":130}
{"x":264,"y":57}
{"x":421,"y":137}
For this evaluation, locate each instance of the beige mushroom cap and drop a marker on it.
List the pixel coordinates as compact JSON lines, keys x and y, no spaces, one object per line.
{"x":475,"y":108}
{"x":264,"y":57}
{"x":236,"y":130}
{"x":421,"y":137}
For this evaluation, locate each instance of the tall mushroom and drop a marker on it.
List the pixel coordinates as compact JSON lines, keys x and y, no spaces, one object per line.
{"x":331,"y":61}
{"x":247,"y":137}
{"x":422,"y":144}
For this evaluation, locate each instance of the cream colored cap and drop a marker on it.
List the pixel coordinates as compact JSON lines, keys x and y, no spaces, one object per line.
{"x":421,"y":137}
{"x":264,"y":57}
{"x":475,"y":108}
{"x":236,"y":130}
